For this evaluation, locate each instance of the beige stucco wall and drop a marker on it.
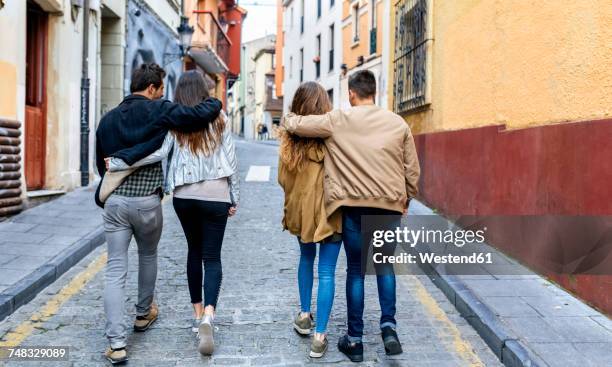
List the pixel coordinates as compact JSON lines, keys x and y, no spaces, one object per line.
{"x":111,"y":62}
{"x":519,"y":63}
{"x":63,"y":98}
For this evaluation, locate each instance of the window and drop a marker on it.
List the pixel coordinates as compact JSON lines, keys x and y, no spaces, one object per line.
{"x":317,"y":59}
{"x":301,"y":65}
{"x":273,"y":57}
{"x":318,"y":9}
{"x":291,"y":19}
{"x":410,"y":67}
{"x":290,"y":67}
{"x":331,"y":3}
{"x":301,"y":16}
{"x":355,"y":16}
{"x":332,"y":37}
{"x":330,"y":94}
{"x":373,"y":27}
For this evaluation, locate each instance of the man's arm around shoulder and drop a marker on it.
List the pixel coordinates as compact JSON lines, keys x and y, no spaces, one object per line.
{"x":312,"y":126}
{"x":188,"y":118}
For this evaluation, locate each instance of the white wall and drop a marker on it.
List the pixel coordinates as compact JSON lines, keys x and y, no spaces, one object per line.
{"x":166,"y":10}
{"x":295,"y":40}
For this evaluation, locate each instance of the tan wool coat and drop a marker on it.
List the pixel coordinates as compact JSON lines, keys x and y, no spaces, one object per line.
{"x":304,"y":209}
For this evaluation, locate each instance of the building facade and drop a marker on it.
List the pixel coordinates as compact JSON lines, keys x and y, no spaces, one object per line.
{"x":151,"y":36}
{"x":215,"y":47}
{"x":312,"y":46}
{"x":279,"y":71}
{"x":509,"y":116}
{"x":364,"y":33}
{"x":42,"y":95}
{"x":243,"y":105}
{"x":268,"y":107}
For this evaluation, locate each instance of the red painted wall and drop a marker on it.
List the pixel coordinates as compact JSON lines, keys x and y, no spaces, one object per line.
{"x":563,"y":169}
{"x":234,"y":17}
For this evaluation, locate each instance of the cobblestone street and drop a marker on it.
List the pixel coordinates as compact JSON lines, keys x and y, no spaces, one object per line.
{"x":258,"y":300}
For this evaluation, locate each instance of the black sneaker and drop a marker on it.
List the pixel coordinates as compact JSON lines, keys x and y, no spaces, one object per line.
{"x":354,"y":351}
{"x":391,"y":341}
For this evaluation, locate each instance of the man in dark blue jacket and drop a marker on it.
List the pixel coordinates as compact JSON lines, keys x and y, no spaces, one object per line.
{"x":141,"y":122}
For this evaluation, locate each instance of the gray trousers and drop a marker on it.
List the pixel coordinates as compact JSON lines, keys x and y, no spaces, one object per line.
{"x":125,"y":217}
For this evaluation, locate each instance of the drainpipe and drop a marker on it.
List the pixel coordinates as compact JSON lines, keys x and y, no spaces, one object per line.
{"x":85,"y":98}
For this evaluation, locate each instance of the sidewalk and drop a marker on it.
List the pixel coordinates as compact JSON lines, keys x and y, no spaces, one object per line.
{"x":40,"y":244}
{"x":526,"y":319}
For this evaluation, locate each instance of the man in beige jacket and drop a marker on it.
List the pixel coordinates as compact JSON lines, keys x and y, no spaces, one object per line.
{"x":371,"y":169}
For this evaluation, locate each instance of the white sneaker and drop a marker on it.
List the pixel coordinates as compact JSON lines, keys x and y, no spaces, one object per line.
{"x":195,"y":326}
{"x":205,"y":332}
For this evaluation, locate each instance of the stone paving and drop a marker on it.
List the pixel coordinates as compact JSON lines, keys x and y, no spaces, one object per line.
{"x":257,"y":303}
{"x":35,"y":236}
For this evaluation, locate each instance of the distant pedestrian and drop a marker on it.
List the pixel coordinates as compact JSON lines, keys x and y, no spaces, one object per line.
{"x":371,"y":169}
{"x":300,"y":173}
{"x":133,"y":209}
{"x":203,"y":174}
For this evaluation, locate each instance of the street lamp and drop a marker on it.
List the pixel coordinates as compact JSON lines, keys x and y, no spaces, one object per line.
{"x":185,"y":32}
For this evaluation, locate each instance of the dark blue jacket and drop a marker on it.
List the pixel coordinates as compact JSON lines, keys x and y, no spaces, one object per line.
{"x":141,"y":124}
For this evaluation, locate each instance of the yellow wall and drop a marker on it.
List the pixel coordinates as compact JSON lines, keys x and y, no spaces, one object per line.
{"x":515,"y":62}
{"x":205,"y":31}
{"x":8,"y":90}
{"x":351,"y":51}
{"x":12,"y":60}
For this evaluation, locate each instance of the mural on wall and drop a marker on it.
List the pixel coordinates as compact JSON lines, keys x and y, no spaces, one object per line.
{"x":148,"y":39}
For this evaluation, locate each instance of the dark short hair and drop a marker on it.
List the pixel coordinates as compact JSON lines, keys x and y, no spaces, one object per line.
{"x":363,"y":83}
{"x":145,"y":75}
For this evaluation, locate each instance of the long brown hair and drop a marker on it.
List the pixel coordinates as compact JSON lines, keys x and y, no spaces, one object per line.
{"x":190,"y":91}
{"x":309,"y":99}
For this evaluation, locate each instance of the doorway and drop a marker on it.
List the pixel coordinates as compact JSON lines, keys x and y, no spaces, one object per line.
{"x":36,"y":97}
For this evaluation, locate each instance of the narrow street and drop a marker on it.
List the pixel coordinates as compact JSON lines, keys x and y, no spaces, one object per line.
{"x":257,"y":303}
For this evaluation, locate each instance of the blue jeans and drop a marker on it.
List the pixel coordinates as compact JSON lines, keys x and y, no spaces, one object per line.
{"x":355,"y":257}
{"x":328,"y":256}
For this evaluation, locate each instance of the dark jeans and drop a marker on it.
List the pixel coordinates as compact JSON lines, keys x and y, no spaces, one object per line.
{"x":204,"y":225}
{"x":356,"y":256}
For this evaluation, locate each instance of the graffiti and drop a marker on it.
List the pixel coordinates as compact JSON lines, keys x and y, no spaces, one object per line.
{"x":150,"y":40}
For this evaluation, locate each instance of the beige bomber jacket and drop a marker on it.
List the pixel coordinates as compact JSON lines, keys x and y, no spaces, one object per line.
{"x":371,"y":161}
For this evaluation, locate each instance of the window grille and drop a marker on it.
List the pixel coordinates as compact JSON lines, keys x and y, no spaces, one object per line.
{"x":410,"y":67}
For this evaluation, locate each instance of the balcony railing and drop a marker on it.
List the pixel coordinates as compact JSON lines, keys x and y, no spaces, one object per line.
{"x":208,"y":24}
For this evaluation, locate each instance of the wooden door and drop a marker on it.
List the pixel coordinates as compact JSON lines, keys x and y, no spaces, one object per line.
{"x":36,"y":99}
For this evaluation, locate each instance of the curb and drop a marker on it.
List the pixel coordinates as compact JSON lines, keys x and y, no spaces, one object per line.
{"x":28,"y":287}
{"x":502,"y":341}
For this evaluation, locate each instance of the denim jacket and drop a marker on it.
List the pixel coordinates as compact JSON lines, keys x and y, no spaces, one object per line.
{"x":184,"y":167}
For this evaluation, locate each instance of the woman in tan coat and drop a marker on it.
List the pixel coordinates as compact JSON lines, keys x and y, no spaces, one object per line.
{"x":300,"y":173}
